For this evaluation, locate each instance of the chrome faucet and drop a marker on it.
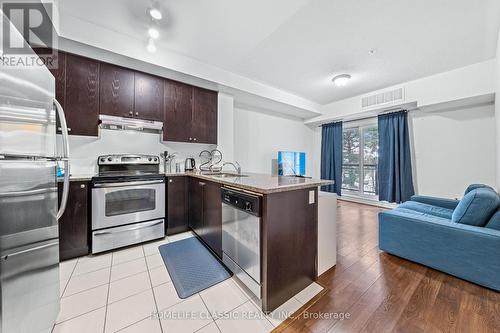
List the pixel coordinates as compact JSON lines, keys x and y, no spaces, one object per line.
{"x":236,"y":166}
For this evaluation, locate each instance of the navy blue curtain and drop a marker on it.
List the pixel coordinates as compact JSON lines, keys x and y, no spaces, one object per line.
{"x":395,"y":181}
{"x":331,"y":156}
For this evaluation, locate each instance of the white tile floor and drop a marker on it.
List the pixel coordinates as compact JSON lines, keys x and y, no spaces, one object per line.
{"x":130,"y":291}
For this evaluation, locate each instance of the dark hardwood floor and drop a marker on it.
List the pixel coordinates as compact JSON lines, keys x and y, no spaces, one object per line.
{"x":383,"y":293}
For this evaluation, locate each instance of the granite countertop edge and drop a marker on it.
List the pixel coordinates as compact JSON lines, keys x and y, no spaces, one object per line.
{"x":232,"y":182}
{"x":280,"y":188}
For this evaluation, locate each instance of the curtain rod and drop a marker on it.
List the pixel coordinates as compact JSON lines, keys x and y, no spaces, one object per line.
{"x":368,"y":117}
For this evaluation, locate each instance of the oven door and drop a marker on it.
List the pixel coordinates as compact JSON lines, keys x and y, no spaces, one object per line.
{"x":115,"y":204}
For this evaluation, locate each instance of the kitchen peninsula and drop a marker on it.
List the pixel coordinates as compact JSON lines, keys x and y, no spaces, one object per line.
{"x":289,"y":224}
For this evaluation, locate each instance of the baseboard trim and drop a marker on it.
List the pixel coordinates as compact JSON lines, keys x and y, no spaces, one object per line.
{"x":365,"y":201}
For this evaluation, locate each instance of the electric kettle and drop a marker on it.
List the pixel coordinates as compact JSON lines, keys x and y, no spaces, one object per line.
{"x":190,"y":164}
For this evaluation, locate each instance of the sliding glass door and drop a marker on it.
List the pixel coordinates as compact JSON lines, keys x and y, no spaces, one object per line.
{"x":359,"y":160}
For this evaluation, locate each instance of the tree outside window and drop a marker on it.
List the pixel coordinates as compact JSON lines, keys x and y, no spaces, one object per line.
{"x":359,"y":160}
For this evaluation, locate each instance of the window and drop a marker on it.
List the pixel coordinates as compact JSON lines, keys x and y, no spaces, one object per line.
{"x":359,"y":160}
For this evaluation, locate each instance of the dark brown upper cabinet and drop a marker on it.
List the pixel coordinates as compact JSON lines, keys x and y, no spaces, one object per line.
{"x":204,"y":119}
{"x":81,"y":103}
{"x":190,"y":114}
{"x":116,"y":86}
{"x":148,"y":97}
{"x":178,"y":112}
{"x":86,"y":88}
{"x":59,"y":72}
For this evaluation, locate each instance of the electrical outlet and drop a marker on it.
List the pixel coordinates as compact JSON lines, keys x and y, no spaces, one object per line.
{"x":311,"y":197}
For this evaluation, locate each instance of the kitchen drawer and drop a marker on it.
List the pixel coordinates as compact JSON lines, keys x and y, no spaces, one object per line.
{"x":112,"y":238}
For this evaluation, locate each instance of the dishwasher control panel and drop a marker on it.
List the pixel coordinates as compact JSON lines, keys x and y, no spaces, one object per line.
{"x":241,"y":200}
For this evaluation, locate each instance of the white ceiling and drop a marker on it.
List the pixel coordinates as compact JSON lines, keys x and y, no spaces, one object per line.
{"x":298,"y":45}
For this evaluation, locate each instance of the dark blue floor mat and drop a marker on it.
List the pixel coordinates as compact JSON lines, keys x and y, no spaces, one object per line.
{"x":192,"y":266}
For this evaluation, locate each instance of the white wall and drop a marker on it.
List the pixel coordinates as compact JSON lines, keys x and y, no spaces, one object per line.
{"x":497,"y":111}
{"x":453,"y":149}
{"x":85,"y":150}
{"x":258,"y":137}
{"x":225,"y":126}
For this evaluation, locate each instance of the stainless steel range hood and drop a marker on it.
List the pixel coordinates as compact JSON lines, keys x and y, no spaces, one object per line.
{"x":122,"y":123}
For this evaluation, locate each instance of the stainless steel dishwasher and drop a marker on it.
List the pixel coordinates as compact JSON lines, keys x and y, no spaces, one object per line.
{"x":241,"y":223}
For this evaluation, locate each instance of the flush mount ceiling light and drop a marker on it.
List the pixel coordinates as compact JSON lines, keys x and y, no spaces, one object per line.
{"x":153,"y":33}
{"x":155,"y":12}
{"x":341,"y":80}
{"x":151,"y":47}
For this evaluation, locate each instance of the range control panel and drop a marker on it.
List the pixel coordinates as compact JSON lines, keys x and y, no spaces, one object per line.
{"x":127,"y":159}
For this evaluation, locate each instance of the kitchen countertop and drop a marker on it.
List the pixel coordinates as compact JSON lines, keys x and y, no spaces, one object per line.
{"x":255,"y":182}
{"x":260,"y":183}
{"x":77,"y":177}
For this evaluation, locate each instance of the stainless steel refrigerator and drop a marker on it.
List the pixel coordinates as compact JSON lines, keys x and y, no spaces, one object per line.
{"x":29,"y":240}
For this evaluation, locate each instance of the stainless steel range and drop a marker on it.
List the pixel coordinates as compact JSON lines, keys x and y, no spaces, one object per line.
{"x":128,"y":201}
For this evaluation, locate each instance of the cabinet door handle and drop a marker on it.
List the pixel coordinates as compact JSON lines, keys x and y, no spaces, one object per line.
{"x":82,"y":186}
{"x":137,"y":113}
{"x":170,"y":180}
{"x":202,"y":183}
{"x":190,"y":139}
{"x":194,"y":139}
{"x":131,"y":113}
{"x":60,"y":129}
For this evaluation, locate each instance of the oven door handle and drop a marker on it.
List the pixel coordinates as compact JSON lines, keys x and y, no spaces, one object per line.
{"x":123,"y":184}
{"x":142,"y":226}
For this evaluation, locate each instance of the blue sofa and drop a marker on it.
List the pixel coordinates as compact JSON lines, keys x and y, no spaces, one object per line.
{"x":458,"y":237}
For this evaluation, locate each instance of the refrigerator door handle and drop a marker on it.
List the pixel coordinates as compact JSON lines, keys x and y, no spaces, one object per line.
{"x":33,"y":249}
{"x":65,"y":158}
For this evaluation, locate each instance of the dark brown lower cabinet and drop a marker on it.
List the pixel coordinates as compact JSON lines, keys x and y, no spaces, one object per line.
{"x":289,"y":251}
{"x":205,"y":212}
{"x":212,"y":217}
{"x":195,"y":195}
{"x":177,"y":205}
{"x":73,"y":225}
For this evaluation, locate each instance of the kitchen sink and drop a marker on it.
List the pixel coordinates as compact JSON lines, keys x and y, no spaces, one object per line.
{"x":224,"y":175}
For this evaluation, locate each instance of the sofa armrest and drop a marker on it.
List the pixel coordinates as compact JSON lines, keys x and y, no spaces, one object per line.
{"x":440,"y":202}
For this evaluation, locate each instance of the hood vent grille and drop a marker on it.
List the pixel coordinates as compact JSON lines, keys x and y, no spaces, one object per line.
{"x":123,"y":124}
{"x":383,"y":99}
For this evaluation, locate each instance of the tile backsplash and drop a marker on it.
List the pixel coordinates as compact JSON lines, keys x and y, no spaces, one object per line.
{"x":85,"y":150}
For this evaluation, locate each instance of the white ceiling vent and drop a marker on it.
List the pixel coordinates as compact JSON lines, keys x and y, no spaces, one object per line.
{"x":384,"y":98}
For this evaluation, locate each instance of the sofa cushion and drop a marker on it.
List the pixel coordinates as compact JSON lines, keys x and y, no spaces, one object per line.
{"x":428,"y":209}
{"x":475,"y":187}
{"x":421,"y":216}
{"x":494,"y":222}
{"x":477,"y":207}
